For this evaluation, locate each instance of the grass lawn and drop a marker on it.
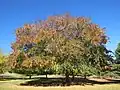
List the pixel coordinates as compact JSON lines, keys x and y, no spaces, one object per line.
{"x":40,"y":84}
{"x":15,"y":85}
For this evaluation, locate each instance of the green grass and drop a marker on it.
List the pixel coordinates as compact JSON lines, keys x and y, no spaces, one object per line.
{"x":14,"y":85}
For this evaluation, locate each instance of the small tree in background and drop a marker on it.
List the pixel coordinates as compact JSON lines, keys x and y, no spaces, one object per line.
{"x":3,"y":60}
{"x":117,"y":54}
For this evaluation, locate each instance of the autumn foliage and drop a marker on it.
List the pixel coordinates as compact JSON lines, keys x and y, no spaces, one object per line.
{"x":59,"y":40}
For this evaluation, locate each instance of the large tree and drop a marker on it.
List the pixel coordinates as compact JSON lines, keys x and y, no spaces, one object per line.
{"x":64,"y":41}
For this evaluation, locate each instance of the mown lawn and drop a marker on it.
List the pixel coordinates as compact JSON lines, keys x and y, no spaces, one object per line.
{"x":15,"y":85}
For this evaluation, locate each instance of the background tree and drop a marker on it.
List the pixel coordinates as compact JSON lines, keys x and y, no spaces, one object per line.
{"x":117,"y":53}
{"x":3,"y":60}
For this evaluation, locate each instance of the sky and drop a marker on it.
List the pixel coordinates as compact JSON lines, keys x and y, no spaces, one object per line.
{"x":15,"y":13}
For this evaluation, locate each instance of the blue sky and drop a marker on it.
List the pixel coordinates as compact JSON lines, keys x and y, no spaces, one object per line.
{"x":15,"y":13}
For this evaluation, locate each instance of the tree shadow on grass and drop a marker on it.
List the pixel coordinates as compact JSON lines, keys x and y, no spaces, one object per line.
{"x":61,"y":82}
{"x":7,"y":78}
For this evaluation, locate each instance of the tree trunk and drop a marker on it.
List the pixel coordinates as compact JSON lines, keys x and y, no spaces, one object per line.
{"x":46,"y":76}
{"x":85,"y":76}
{"x":30,"y":76}
{"x":67,"y":79}
{"x":73,"y":77}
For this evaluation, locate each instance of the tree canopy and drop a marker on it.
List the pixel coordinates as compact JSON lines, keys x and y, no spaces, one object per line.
{"x":63,"y":43}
